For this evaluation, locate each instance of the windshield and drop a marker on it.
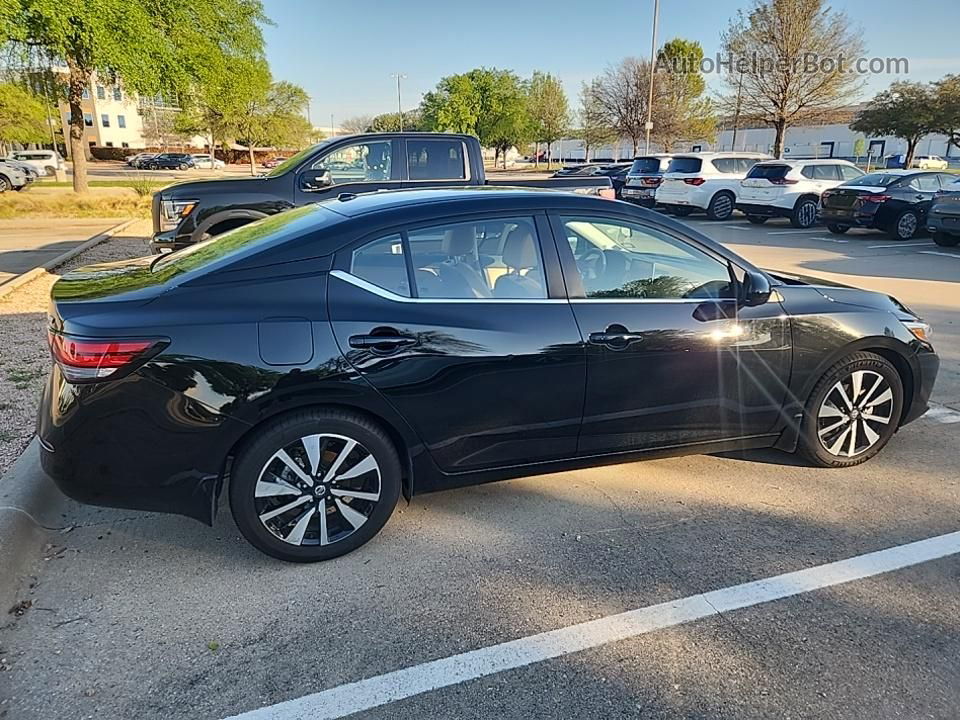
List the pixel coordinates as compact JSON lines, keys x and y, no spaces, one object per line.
{"x":685,"y":165}
{"x":293,"y":161}
{"x":645,"y":166}
{"x":875,"y":180}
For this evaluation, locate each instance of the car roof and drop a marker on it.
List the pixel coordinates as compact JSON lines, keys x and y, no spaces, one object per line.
{"x":712,"y":155}
{"x":807,"y":161}
{"x":902,"y":171}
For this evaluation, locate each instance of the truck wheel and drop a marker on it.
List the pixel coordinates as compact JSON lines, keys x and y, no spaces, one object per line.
{"x":721,"y":206}
{"x":804,"y":213}
{"x":944,"y":240}
{"x":837,"y":229}
{"x":757,"y":219}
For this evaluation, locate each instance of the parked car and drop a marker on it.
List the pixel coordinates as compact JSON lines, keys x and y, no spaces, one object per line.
{"x":943,"y":219}
{"x":643,"y":178}
{"x":617,"y":172}
{"x":140,"y":160}
{"x":582,"y":169}
{"x":203,"y":160}
{"x":12,"y":177}
{"x":930,"y":162}
{"x":273,"y":162}
{"x":333,"y":356}
{"x":189,"y":212}
{"x":45,"y":162}
{"x":169,"y":161}
{"x":895,"y":201}
{"x":705,"y":181}
{"x":29,"y":170}
{"x":791,"y":188}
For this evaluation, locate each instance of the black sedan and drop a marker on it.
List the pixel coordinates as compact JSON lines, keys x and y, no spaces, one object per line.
{"x":943,"y":220}
{"x":323,"y":360}
{"x":169,"y":161}
{"x":895,"y":201}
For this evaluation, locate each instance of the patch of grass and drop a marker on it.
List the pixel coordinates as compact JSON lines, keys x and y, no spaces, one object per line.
{"x":154,"y":184}
{"x":23,"y":375}
{"x":69,"y":205}
{"x":213,"y":646}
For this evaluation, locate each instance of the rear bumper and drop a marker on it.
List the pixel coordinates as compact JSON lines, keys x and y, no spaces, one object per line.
{"x":853,"y":218}
{"x":943,"y":223}
{"x":763,"y":210}
{"x":172,"y":464}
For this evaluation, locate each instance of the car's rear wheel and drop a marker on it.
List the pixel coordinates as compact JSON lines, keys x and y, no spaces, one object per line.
{"x":182,"y":166}
{"x":757,"y":219}
{"x":837,"y":229}
{"x":153,"y":166}
{"x":905,"y":226}
{"x":721,"y":206}
{"x":944,"y":240}
{"x":50,"y":171}
{"x":315,"y":485}
{"x":853,"y":411}
{"x":4,"y":184}
{"x":804,"y":213}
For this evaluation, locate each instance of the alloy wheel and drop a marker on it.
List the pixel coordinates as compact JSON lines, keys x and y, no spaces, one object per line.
{"x":722,"y":206}
{"x":317,"y":490}
{"x":854,"y":412}
{"x":907,"y":225}
{"x":807,"y":214}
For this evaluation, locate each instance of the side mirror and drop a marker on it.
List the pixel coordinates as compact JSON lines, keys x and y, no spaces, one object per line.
{"x":755,"y":289}
{"x":315,"y":180}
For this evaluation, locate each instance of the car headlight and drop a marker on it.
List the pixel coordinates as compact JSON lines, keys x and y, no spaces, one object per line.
{"x":921,"y":330}
{"x":173,"y":211}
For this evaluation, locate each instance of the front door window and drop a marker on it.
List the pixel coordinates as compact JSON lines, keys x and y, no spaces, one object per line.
{"x":363,"y":162}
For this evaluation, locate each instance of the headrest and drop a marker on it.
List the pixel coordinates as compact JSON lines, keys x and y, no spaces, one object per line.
{"x":459,"y":240}
{"x":519,"y":250}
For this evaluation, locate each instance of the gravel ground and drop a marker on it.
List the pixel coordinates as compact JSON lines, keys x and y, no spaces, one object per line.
{"x":24,"y":358}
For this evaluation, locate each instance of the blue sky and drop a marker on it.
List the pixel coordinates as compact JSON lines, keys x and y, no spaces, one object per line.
{"x":344,"y":52}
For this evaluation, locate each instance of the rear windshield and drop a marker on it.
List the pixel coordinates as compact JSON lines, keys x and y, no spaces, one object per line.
{"x":645,"y":166}
{"x":769,"y":172}
{"x":875,"y":180}
{"x":685,"y":165}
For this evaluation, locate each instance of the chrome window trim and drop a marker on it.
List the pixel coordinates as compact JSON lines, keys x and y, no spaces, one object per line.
{"x":672,"y":301}
{"x":387,"y":295}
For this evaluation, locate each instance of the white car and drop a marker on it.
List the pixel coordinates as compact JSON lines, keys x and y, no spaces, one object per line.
{"x":708,"y":181}
{"x":203,"y":161}
{"x":12,"y":177}
{"x":45,"y":162}
{"x":791,"y":188}
{"x":930,"y":162}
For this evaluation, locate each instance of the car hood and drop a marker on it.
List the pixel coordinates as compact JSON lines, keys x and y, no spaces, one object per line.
{"x":846,"y":294}
{"x":217,"y":186}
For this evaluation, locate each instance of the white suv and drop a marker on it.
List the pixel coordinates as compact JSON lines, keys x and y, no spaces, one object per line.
{"x":707,"y":181}
{"x":46,"y":162}
{"x":791,"y":188}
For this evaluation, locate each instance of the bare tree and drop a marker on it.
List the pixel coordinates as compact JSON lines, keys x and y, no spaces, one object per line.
{"x":357,"y":124}
{"x":594,"y":123}
{"x":790,"y":63}
{"x":621,"y":97}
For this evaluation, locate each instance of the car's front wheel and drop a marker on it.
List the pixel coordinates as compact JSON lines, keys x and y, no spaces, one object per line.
{"x":757,"y":219}
{"x":4,"y":184}
{"x":680,"y":211}
{"x":315,"y":485}
{"x":944,"y":240}
{"x":853,"y":411}
{"x":837,"y":229}
{"x":182,"y":166}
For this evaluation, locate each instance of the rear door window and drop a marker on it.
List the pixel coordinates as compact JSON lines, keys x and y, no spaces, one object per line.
{"x":926,"y":183}
{"x":430,"y":159}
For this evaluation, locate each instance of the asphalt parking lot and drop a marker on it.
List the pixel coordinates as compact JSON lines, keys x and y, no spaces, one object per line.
{"x":152,"y":616}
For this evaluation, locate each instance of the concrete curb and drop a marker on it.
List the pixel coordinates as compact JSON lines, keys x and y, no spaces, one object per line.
{"x":32,"y":275}
{"x":30,"y":503}
{"x":30,"y":507}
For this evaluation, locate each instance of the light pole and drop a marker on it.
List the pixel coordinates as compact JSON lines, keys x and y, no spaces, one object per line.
{"x":331,"y":125}
{"x":653,"y":62}
{"x":399,"y":77}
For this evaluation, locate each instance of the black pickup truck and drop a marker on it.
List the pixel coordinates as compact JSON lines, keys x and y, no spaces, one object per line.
{"x":186,"y":213}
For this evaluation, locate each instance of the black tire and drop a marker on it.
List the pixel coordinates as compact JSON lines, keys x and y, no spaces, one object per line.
{"x":50,"y":171}
{"x":810,"y":445}
{"x":944,"y":240}
{"x":757,"y":219}
{"x":721,"y":206}
{"x":905,"y":226}
{"x":4,"y":184}
{"x":182,"y":166}
{"x":679,"y":211}
{"x":153,"y":166}
{"x":252,"y":461}
{"x":837,"y":229}
{"x":804,"y":213}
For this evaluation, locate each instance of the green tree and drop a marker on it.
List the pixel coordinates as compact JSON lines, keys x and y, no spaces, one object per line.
{"x":680,"y":112}
{"x":23,"y":117}
{"x":771,"y":78}
{"x":453,"y":106}
{"x":595,"y":129}
{"x":859,"y":148}
{"x":947,"y":108}
{"x":390,"y":122}
{"x":270,"y":116}
{"x":548,"y":109}
{"x":164,"y":46}
{"x":906,"y":110}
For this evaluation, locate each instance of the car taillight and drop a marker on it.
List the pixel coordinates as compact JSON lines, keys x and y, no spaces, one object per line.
{"x":694,"y":181}
{"x":874,"y":198}
{"x":652,"y":181}
{"x":782,"y":181}
{"x":86,"y":360}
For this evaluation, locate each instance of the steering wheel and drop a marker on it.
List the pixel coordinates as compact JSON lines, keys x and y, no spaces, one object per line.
{"x":592,"y":264}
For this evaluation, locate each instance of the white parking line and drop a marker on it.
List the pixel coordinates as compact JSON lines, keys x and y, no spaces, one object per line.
{"x":934,"y":252}
{"x":736,"y":227}
{"x":826,"y":239}
{"x":897,"y":244}
{"x":417,"y":679}
{"x":793,"y":232}
{"x":942,"y":414}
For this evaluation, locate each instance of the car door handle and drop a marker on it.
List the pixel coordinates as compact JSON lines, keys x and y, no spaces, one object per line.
{"x":614,"y":338}
{"x":381,"y":343}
